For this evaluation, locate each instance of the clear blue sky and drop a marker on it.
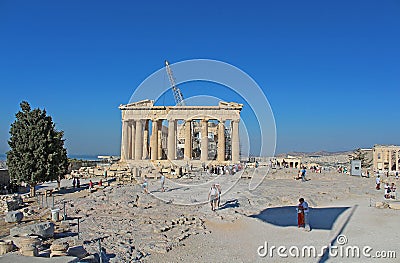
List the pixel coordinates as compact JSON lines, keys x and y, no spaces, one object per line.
{"x":330,"y":69}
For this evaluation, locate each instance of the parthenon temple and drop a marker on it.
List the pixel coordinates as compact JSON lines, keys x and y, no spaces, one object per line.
{"x":174,"y":133}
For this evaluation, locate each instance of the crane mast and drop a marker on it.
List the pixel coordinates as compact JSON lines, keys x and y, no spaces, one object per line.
{"x":175,"y":90}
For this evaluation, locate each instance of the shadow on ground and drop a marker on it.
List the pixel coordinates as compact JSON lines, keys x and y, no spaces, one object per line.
{"x":320,"y":218}
{"x":230,"y":204}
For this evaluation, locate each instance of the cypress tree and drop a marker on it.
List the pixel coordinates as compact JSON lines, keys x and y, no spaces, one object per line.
{"x":37,"y":151}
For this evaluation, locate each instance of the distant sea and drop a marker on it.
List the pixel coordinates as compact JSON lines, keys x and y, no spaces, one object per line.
{"x":3,"y":157}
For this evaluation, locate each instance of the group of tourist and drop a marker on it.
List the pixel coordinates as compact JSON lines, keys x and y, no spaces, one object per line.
{"x":214,"y":196}
{"x":217,"y":169}
{"x":76,"y":183}
{"x":145,"y":184}
{"x":342,"y":169}
{"x":302,"y":214}
{"x":316,"y":169}
{"x":223,"y":169}
{"x":390,"y":190}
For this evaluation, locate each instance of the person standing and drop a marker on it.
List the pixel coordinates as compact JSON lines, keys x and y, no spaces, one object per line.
{"x":303,"y":174}
{"x":212,"y":197}
{"x":393,"y":191}
{"x":145,"y":187}
{"x":387,"y":191}
{"x":300,"y":215}
{"x":78,"y":183}
{"x":90,"y":184}
{"x":73,"y":182}
{"x":218,"y":186}
{"x":378,"y":182}
{"x":305,"y":208}
{"x":162,"y":181}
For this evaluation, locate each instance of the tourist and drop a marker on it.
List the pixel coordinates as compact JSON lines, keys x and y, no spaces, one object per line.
{"x":387,"y":191}
{"x":300,"y":215}
{"x":298,"y":175}
{"x":393,"y":191}
{"x":303,"y":174}
{"x":218,"y":186}
{"x":90,"y":184}
{"x":212,"y":196}
{"x":397,"y":175}
{"x":101,"y":182}
{"x":73,"y":183}
{"x":145,"y":187}
{"x":162,"y":180}
{"x":78,"y":183}
{"x":378,"y":182}
{"x":305,"y":209}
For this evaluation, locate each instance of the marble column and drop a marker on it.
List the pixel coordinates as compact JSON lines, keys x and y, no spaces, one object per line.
{"x":235,"y":141}
{"x":124,"y":140}
{"x":139,"y":140}
{"x":171,"y":140}
{"x":154,"y":140}
{"x":132,"y":139}
{"x":129,"y":155}
{"x":204,"y":141}
{"x":397,"y":160}
{"x":390,"y":160}
{"x":221,"y":141}
{"x":159,"y":146}
{"x":146,"y":140}
{"x":188,"y":140}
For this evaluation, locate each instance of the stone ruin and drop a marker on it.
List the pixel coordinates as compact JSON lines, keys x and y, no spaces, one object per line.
{"x":10,"y":203}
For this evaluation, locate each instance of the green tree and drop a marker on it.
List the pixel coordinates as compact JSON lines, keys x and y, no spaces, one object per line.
{"x":37,"y":149}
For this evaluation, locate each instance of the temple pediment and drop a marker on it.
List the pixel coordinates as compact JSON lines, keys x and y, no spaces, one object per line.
{"x":139,"y":104}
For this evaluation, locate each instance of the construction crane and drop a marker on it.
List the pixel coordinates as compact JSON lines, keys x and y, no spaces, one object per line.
{"x":177,"y":92}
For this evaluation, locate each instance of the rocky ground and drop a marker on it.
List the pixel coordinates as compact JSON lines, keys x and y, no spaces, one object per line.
{"x":178,"y":224}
